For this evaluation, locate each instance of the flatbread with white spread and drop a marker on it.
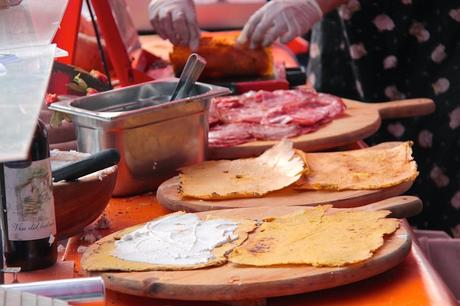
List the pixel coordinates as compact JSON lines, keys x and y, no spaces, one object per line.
{"x":175,"y":237}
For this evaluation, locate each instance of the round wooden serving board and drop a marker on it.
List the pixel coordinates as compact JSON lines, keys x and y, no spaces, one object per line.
{"x":359,"y":121}
{"x":169,"y":197}
{"x":235,"y":282}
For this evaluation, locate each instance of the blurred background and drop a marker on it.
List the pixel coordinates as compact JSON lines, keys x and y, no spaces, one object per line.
{"x":210,"y":13}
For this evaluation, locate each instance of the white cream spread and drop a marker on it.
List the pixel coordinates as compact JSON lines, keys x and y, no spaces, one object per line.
{"x":176,"y":240}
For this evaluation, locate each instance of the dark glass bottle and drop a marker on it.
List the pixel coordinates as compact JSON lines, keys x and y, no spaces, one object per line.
{"x":28,"y":219}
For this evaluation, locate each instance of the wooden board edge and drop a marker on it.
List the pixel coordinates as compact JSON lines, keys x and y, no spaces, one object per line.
{"x":365,"y":270}
{"x":358,"y":200}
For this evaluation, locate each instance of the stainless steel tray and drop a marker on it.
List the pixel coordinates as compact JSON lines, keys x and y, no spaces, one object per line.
{"x":154,"y":137}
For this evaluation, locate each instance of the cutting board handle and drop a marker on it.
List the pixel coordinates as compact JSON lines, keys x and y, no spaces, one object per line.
{"x":405,"y":108}
{"x":400,"y":206}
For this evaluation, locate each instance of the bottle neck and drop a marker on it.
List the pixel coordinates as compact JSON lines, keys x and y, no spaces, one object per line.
{"x":39,"y":148}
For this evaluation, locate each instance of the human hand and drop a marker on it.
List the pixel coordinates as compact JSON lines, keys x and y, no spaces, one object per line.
{"x":284,"y":19}
{"x":175,"y":20}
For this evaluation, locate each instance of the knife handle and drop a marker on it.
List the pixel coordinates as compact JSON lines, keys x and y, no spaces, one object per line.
{"x":93,"y":163}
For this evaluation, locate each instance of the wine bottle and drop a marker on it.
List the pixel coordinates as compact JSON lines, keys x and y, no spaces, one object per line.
{"x":28,"y":219}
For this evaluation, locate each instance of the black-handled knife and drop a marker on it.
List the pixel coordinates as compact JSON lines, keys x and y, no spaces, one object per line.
{"x":93,"y":163}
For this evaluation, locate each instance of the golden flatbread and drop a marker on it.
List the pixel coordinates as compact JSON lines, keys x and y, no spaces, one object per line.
{"x":276,"y":168}
{"x":315,"y":238}
{"x":371,"y":168}
{"x":101,"y":257}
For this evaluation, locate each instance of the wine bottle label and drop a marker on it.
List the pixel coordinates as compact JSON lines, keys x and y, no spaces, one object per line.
{"x":29,"y":201}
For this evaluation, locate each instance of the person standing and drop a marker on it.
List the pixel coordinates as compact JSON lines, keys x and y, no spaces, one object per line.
{"x":377,"y":51}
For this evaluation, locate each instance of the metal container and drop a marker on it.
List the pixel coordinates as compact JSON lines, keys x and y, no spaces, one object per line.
{"x":154,"y":137}
{"x":88,"y":290}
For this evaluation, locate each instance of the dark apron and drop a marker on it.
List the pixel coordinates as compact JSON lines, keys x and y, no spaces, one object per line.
{"x":387,"y":50}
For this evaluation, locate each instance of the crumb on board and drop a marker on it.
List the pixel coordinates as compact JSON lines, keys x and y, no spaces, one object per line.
{"x":60,"y":248}
{"x":89,"y":237}
{"x":102,"y":223}
{"x":234,"y":279}
{"x":81,"y":249}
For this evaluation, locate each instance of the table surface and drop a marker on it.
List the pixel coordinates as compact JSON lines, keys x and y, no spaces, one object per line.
{"x":413,"y":282}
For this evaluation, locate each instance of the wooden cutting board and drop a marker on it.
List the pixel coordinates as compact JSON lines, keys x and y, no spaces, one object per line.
{"x":359,"y":121}
{"x":169,"y":197}
{"x":234,"y":282}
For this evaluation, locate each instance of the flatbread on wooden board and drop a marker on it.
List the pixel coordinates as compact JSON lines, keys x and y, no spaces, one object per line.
{"x":101,"y":259}
{"x":276,"y":168}
{"x":315,"y":238}
{"x":370,"y":168}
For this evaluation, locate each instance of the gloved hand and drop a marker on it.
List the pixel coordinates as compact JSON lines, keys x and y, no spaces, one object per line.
{"x":284,"y":19}
{"x":175,"y":20}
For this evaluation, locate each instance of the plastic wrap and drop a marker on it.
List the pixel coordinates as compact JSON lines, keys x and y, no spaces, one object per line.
{"x":23,"y":88}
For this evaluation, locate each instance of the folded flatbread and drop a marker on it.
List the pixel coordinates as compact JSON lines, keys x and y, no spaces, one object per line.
{"x":276,"y":168}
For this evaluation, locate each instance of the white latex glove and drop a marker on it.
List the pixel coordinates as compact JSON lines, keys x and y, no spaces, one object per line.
{"x":175,"y":20}
{"x":284,"y":19}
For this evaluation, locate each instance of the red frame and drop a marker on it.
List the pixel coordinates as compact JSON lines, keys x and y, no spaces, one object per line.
{"x":123,"y":64}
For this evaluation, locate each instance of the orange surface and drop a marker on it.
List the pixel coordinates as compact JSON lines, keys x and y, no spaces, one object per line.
{"x":413,"y":282}
{"x":60,"y":270}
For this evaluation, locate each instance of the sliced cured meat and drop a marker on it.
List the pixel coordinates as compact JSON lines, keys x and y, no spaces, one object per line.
{"x":212,"y":120}
{"x":237,"y":109}
{"x":238,"y":133}
{"x":213,"y":115}
{"x":241,"y":114}
{"x":229,"y":135}
{"x":308,"y":129}
{"x":274,"y":132}
{"x":320,"y":108}
{"x":268,"y":115}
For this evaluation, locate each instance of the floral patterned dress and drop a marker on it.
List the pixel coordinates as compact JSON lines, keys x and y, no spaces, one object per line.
{"x":374,"y":51}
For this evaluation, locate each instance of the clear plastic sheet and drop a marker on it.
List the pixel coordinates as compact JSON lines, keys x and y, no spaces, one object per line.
{"x":31,"y":23}
{"x":26,"y":56}
{"x":23,"y":87}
